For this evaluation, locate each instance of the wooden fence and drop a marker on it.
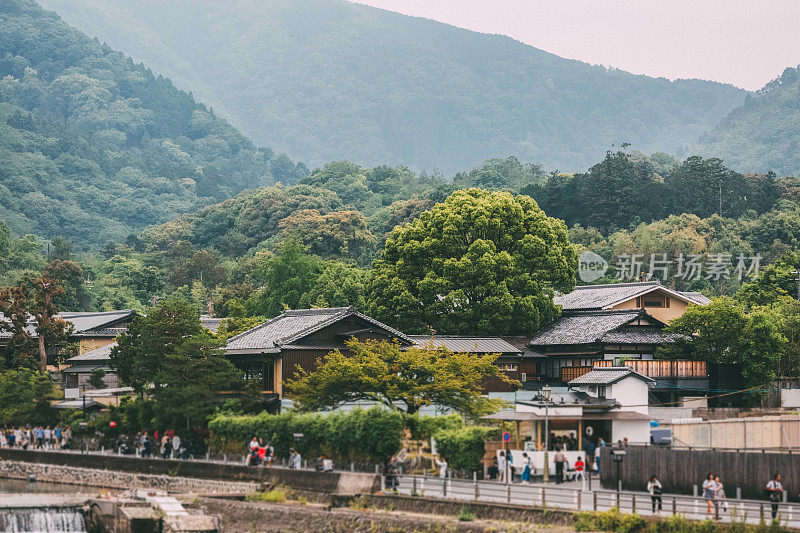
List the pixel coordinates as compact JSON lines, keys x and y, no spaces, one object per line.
{"x":680,"y":469}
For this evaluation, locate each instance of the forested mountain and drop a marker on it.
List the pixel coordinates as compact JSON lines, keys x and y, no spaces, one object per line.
{"x":327,"y":80}
{"x":94,"y":147}
{"x":764,"y":133}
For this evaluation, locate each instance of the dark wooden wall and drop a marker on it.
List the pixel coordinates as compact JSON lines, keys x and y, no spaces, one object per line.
{"x":679,"y":470}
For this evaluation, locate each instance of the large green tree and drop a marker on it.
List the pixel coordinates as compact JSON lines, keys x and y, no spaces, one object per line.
{"x":722,"y":332}
{"x":402,"y":379}
{"x":171,"y":351}
{"x":481,"y":263}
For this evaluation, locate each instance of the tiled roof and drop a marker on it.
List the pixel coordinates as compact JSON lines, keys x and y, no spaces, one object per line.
{"x":100,"y":324}
{"x":101,"y":320}
{"x":589,"y":297}
{"x":607,"y":376}
{"x":292,"y":325}
{"x":467,"y":344}
{"x":98,"y":354}
{"x":640,"y":335}
{"x":211,"y":324}
{"x":583,"y":328}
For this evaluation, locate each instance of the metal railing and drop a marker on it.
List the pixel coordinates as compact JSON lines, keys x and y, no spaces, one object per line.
{"x":580,"y":499}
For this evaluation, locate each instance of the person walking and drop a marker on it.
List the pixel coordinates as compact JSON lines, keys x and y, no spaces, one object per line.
{"x":775,"y":491}
{"x":501,"y":466}
{"x":720,"y":500}
{"x":709,"y":493}
{"x":442,"y":466}
{"x":176,"y":447}
{"x":559,"y":459}
{"x":391,"y":475}
{"x":600,"y":444}
{"x":527,"y":463}
{"x":655,"y":490}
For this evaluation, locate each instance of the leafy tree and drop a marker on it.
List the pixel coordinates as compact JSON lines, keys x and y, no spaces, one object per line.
{"x":14,"y":304}
{"x":169,"y":350}
{"x":401,"y":379}
{"x":25,"y":396}
{"x":96,"y":378}
{"x":69,"y":275}
{"x":287,"y":277}
{"x":51,"y":329}
{"x":722,"y":332}
{"x":481,"y":263}
{"x":338,"y":285}
{"x":342,"y":234}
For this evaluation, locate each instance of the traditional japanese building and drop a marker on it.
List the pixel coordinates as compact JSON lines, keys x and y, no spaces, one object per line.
{"x":619,"y":325}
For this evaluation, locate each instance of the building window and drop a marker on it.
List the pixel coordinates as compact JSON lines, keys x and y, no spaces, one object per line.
{"x":652,"y":300}
{"x":262,"y":371}
{"x":601,"y":391}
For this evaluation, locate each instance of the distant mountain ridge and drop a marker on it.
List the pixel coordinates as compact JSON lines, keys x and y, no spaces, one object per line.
{"x":95,"y":148}
{"x":763,"y":134}
{"x":328,"y":80}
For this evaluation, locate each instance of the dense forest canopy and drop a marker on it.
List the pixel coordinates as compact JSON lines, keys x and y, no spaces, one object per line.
{"x":326,"y":80}
{"x":764,"y":133}
{"x":95,"y":147}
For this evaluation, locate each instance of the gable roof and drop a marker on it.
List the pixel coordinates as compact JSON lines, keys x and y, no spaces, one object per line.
{"x":459,"y":344}
{"x":292,"y":325}
{"x":98,"y":354}
{"x":589,"y":327}
{"x":608,"y":375}
{"x":599,"y":297}
{"x":89,"y":324}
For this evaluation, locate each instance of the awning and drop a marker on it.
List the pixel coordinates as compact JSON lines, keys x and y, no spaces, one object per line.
{"x":522,"y":417}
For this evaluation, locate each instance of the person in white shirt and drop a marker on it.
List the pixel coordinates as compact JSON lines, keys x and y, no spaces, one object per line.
{"x":442,"y":466}
{"x":775,"y":489}
{"x":501,"y":466}
{"x":709,"y":493}
{"x":654,"y":488}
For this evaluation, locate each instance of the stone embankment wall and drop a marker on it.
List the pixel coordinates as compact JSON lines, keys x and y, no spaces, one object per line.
{"x":258,"y":517}
{"x":304,"y":480}
{"x":121,"y":480}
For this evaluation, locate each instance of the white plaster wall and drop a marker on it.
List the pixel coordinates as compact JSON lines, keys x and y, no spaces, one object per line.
{"x":630,"y":393}
{"x":636,"y":431}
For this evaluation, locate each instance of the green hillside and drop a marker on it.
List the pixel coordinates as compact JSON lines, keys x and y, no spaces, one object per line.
{"x":764,"y":133}
{"x":328,"y":80}
{"x":95,"y":148}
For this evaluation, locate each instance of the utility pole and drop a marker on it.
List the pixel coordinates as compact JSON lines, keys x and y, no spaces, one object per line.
{"x":797,"y":279}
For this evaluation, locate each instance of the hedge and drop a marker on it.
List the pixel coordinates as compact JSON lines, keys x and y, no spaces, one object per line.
{"x":463,"y":448}
{"x":360,"y":435}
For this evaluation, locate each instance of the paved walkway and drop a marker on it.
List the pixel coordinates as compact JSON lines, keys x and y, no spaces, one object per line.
{"x":574,"y":495}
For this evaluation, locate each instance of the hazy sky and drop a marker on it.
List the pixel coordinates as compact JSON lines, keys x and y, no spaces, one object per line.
{"x":733,"y":41}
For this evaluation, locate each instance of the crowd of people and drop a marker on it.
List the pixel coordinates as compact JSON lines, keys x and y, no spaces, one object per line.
{"x":37,"y":438}
{"x":167,"y":445}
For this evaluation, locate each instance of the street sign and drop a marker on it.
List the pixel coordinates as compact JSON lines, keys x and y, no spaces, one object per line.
{"x":506,"y":436}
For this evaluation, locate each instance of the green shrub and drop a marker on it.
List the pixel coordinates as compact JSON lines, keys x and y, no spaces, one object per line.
{"x":466,"y":515}
{"x":463,"y":448}
{"x":373,"y":434}
{"x":274,"y":495}
{"x":423,"y":427}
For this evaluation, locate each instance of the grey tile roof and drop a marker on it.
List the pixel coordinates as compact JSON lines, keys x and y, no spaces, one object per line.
{"x":604,"y":296}
{"x":467,"y":344}
{"x":101,"y":324}
{"x":211,"y":324}
{"x":640,"y":335}
{"x":292,"y":325}
{"x":608,"y":376}
{"x":98,"y":354}
{"x":582,"y":328}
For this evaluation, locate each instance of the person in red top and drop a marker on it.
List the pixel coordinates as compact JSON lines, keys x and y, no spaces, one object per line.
{"x":579,"y":466}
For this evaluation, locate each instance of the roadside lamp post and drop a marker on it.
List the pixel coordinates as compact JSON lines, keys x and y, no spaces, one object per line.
{"x":618,"y":455}
{"x":546,"y":397}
